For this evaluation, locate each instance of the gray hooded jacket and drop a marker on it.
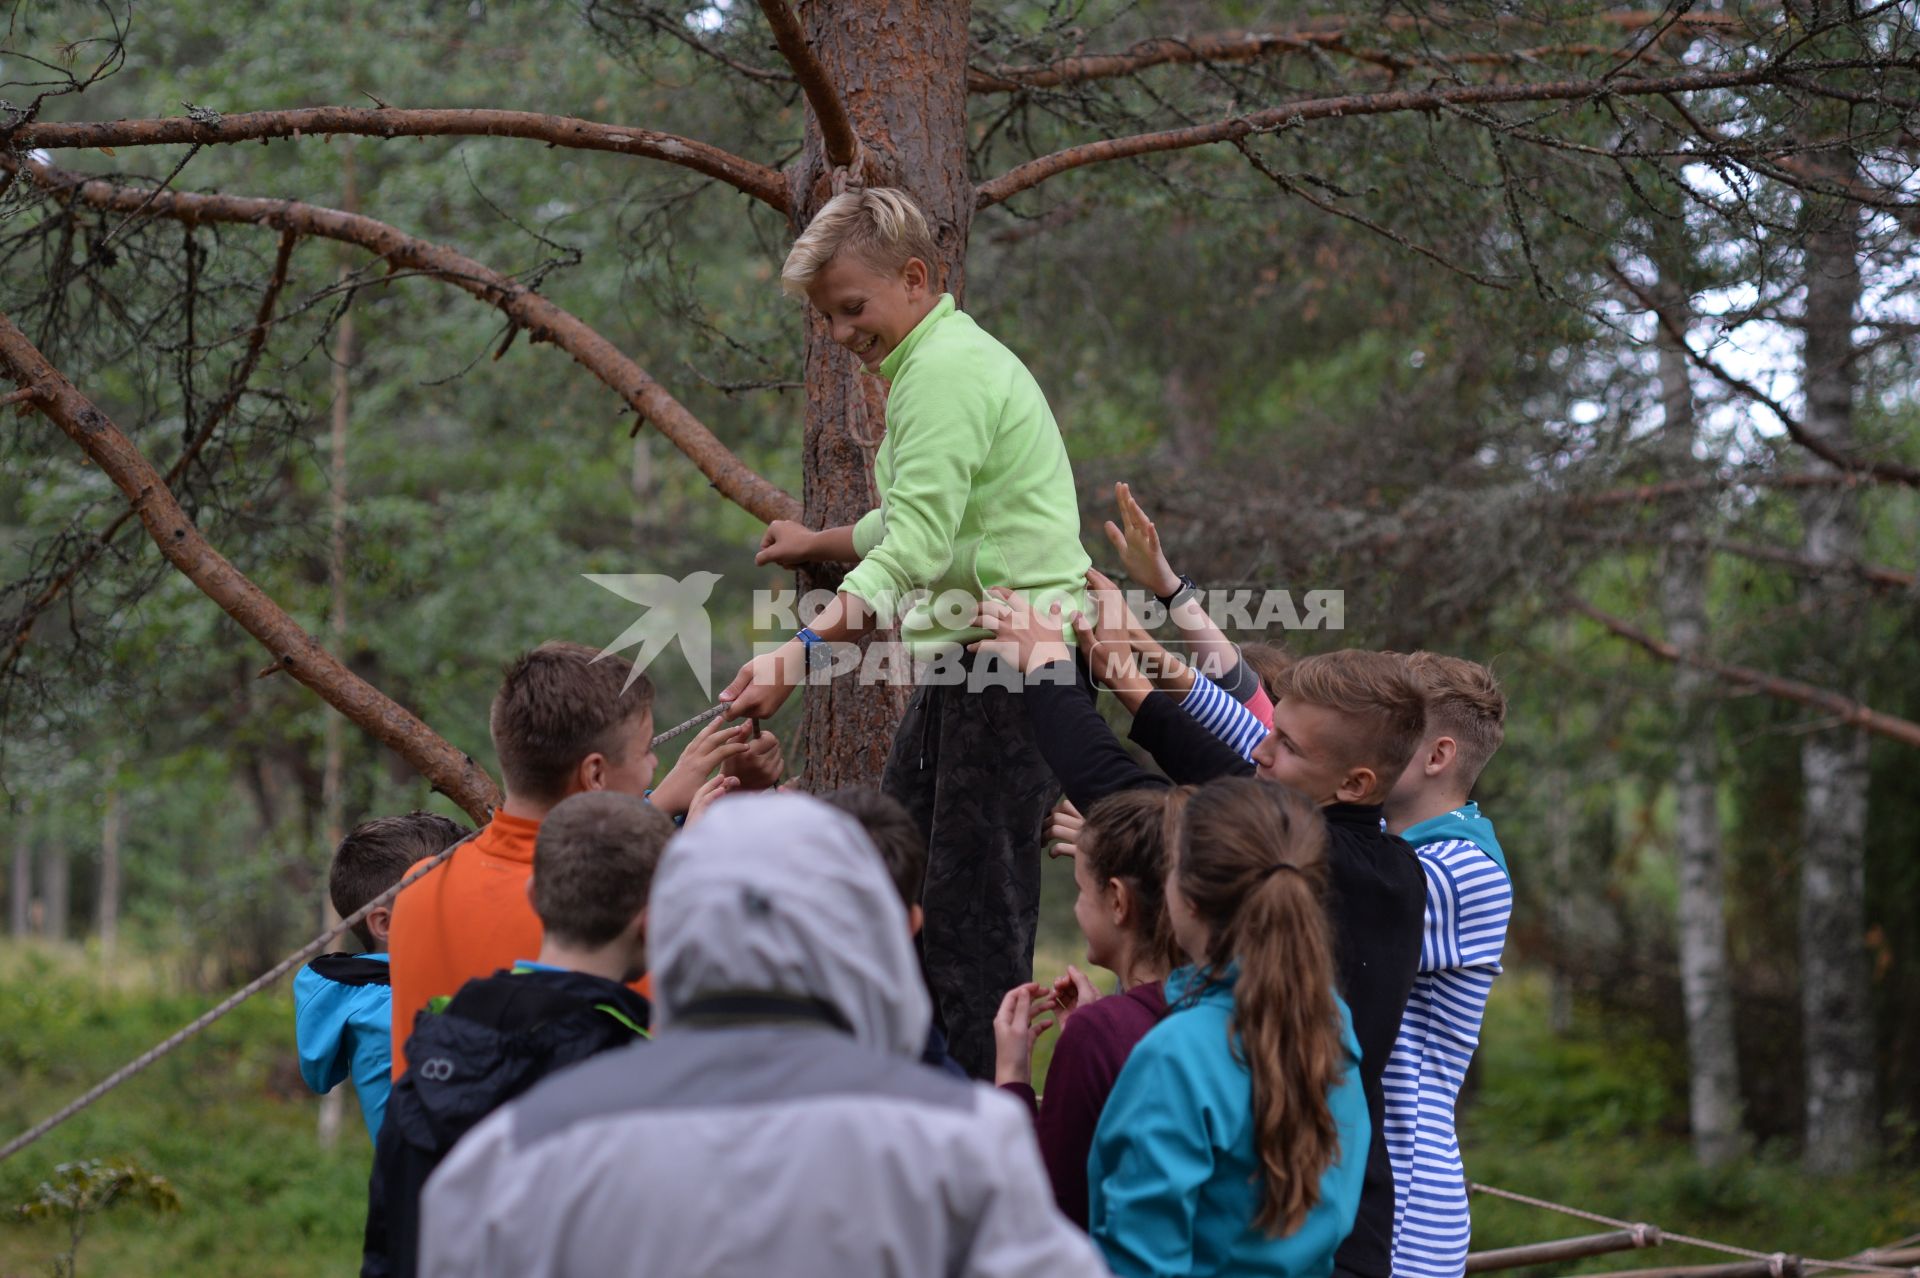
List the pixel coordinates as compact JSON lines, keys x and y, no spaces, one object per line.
{"x":779,"y":1123}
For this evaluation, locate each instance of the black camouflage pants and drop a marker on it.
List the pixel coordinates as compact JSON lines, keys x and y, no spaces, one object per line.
{"x":965,"y":765}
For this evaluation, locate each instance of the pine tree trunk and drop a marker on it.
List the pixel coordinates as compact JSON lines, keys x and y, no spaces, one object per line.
{"x":108,"y":918}
{"x":1835,"y":992}
{"x":56,"y":890}
{"x":900,"y":67}
{"x":1713,"y":1091}
{"x":20,"y":881}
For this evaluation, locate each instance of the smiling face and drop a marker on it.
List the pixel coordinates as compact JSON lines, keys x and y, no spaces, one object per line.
{"x":1093,"y":910}
{"x":868,"y":311}
{"x":1307,"y":749}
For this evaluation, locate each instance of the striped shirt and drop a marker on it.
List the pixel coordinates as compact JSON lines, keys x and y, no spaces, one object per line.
{"x":1469,"y":900}
{"x":1217,"y":712}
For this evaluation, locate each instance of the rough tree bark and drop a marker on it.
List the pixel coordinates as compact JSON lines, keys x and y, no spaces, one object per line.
{"x":1835,"y":974}
{"x":1713,"y":1079}
{"x":899,"y":68}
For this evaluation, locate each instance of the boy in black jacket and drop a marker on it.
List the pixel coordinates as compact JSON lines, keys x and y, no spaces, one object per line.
{"x":1344,"y":727}
{"x":593,"y":866}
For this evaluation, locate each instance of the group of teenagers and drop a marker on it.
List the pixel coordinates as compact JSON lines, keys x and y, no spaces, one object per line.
{"x":714,"y":1026}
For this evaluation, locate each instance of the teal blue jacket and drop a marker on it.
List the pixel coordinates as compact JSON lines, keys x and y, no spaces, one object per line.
{"x":1461,"y":823}
{"x":342,"y":1022}
{"x":1172,"y":1172}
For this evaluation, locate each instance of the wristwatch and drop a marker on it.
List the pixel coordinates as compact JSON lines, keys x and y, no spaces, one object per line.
{"x":1188,"y":589}
{"x":815,"y":648}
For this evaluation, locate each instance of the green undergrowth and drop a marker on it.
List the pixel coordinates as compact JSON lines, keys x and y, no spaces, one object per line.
{"x":1594,"y":1118}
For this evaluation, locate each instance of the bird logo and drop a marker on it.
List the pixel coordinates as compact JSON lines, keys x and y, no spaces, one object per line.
{"x":675,"y":609}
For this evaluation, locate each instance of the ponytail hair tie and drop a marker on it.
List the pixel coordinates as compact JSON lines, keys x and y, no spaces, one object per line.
{"x":1274,"y":869}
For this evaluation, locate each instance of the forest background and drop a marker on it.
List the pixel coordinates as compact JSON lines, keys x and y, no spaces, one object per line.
{"x":1573,"y":390}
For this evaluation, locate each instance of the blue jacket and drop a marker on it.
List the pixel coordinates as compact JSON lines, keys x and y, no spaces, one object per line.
{"x":1172,"y":1173}
{"x":343,"y":1023}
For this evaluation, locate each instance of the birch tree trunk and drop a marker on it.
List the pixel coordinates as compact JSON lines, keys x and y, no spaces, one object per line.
{"x":108,"y":916}
{"x":1835,"y":987}
{"x":1713,"y":1079}
{"x":56,"y":890}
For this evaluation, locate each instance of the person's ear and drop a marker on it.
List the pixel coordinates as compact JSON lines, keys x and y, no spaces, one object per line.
{"x":529,"y":889}
{"x":1121,"y":902}
{"x":916,"y":919}
{"x":1357,"y":786}
{"x":591,"y":774}
{"x":380,"y":924}
{"x":638,"y":928}
{"x":917,"y":278}
{"x":1440,"y":758}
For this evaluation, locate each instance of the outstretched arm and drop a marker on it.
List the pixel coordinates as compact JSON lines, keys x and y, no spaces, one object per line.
{"x":1138,"y":542}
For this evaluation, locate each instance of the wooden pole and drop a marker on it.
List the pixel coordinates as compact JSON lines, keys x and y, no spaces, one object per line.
{"x":1481,"y":1262}
{"x":1782,"y":1266}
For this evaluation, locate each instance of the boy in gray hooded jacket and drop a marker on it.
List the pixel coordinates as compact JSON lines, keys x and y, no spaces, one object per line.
{"x":780,"y":1121}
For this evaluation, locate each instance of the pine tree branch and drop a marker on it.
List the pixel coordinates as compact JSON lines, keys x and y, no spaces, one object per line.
{"x":836,"y":129}
{"x":1869,"y":574}
{"x":1026,"y":176}
{"x":207,"y":128}
{"x":1845,"y":709}
{"x":295,"y":651}
{"x":237,"y":382}
{"x":542,"y":320}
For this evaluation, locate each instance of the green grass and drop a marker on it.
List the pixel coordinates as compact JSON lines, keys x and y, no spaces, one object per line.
{"x":1594,"y":1118}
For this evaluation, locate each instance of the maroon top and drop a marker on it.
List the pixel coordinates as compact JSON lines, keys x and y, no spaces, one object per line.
{"x":1092,"y":1048}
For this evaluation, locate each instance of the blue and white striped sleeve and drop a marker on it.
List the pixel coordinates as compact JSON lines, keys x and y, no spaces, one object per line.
{"x":1469,"y":903}
{"x":1216,"y":711}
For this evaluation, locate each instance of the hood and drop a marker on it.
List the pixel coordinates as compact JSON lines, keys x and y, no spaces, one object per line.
{"x":1461,"y":823}
{"x":781,"y":894}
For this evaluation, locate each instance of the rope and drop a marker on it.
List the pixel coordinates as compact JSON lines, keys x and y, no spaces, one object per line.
{"x":1776,"y":1259}
{"x":300,"y":956}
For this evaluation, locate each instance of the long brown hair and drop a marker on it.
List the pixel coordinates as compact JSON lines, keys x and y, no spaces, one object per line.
{"x":1127,"y":837}
{"x":1253,"y":866}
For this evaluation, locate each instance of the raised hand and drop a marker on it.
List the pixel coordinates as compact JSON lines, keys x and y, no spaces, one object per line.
{"x":708,"y":794}
{"x":1139,"y":545}
{"x":1107,"y":639}
{"x":1063,"y":829}
{"x":759,"y":766}
{"x":1016,"y":1032}
{"x":716,"y":744}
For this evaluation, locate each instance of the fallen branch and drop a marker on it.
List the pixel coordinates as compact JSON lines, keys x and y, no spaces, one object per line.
{"x":1031,"y":174}
{"x":542,"y":319}
{"x":836,"y":130}
{"x":1846,"y":709}
{"x":1481,"y":1262}
{"x":207,"y":128}
{"x":449,"y":770}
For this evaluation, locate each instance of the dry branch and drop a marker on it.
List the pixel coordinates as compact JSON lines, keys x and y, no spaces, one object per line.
{"x":236,"y":386}
{"x":1031,"y":174}
{"x":541,"y":318}
{"x":1330,"y":34}
{"x":1845,"y":709}
{"x":1647,"y":494}
{"x":449,"y":770}
{"x":1481,"y":1262}
{"x":836,"y":129}
{"x":757,"y":180}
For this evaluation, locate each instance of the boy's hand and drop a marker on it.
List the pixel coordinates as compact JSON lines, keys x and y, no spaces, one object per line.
{"x":764,"y":684}
{"x":1063,"y":828}
{"x":1015,"y":1033}
{"x":707,"y":795}
{"x":1139,"y":546}
{"x":1107,"y":641}
{"x":759,"y":766}
{"x":787,"y":542}
{"x":1020,"y":636}
{"x":714,"y":745}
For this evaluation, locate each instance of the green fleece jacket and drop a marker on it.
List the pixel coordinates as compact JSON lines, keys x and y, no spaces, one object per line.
{"x":975,"y":490}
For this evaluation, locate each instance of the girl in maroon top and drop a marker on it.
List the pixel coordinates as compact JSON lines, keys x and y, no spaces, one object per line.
{"x":1120,"y":867}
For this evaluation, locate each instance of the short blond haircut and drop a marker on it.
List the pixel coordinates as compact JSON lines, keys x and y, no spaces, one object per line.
{"x":1464,"y":702}
{"x":1382,"y":703}
{"x":881,"y":224}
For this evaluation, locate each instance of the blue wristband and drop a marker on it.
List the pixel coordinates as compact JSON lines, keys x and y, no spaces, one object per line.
{"x":807,"y":638}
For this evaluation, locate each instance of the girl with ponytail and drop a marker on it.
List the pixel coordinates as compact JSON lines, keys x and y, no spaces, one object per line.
{"x":1236,"y":1136}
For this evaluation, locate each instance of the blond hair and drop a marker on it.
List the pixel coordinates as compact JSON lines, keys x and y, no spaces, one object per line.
{"x":881,"y":225}
{"x":1464,"y":701}
{"x":1382,"y":703}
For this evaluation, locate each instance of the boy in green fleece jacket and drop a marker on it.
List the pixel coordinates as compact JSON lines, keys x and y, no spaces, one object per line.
{"x":975,"y":492}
